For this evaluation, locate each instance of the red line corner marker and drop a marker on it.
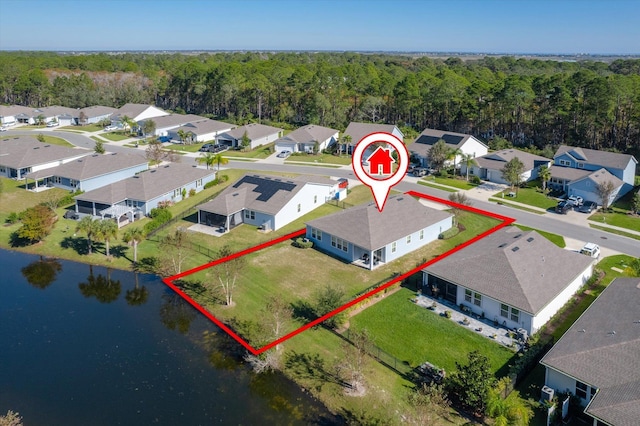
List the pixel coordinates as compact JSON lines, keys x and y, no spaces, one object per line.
{"x":170,"y":281}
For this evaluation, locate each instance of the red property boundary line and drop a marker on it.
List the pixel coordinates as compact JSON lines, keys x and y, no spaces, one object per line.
{"x":505,"y":221}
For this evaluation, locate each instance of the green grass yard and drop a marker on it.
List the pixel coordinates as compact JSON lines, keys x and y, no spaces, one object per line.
{"x":184,"y":148}
{"x":618,"y":218}
{"x":454,"y":182}
{"x":115,"y":136}
{"x":53,"y":140}
{"x":88,"y":128}
{"x":440,"y":187}
{"x":615,"y":231}
{"x":529,"y":195}
{"x":554,"y":238}
{"x":258,"y":153}
{"x":514,"y":205}
{"x":415,"y":334}
{"x":320,"y":158}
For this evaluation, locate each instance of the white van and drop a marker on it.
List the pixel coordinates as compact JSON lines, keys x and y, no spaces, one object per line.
{"x":591,"y":250}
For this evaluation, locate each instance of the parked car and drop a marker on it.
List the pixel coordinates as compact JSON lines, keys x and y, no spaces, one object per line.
{"x":52,"y":124}
{"x":591,"y":250}
{"x":164,"y":139}
{"x":575,"y":200}
{"x":206,"y":147}
{"x":420,"y":171}
{"x":3,"y":129}
{"x":110,"y":128}
{"x":70,"y":214}
{"x":563,"y":207}
{"x":588,"y":207}
{"x":284,"y":154}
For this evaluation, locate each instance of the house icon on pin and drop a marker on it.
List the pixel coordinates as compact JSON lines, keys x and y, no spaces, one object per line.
{"x":380,"y":161}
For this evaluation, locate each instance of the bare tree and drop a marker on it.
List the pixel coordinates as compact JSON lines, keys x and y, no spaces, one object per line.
{"x":227,"y":273}
{"x":276,"y":317}
{"x":353,"y":362}
{"x":174,"y":248}
{"x":461,"y":199}
{"x":605,"y":190}
{"x":155,"y":153}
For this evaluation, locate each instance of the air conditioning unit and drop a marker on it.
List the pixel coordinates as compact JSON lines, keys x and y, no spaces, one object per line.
{"x":546,"y":394}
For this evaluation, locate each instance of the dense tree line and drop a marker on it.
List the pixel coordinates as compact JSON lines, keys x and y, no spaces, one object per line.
{"x":527,"y":101}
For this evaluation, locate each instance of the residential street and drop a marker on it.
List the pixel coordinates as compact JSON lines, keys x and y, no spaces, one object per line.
{"x":573,"y":225}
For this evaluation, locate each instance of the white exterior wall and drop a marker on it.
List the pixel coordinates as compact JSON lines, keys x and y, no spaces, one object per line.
{"x":558,"y":302}
{"x":430,"y":234}
{"x":8,"y":120}
{"x":262,"y":141}
{"x":491,"y":309}
{"x":58,"y":162}
{"x":291,"y":146}
{"x":151,"y":204}
{"x":305,"y":198}
{"x":150,"y":112}
{"x":100,"y":181}
{"x":473,"y":147}
{"x":65,"y":121}
{"x":560,"y":382}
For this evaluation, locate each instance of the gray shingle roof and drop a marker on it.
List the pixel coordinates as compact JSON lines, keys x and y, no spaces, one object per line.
{"x":591,"y":352}
{"x":26,"y":151}
{"x":357,"y":131}
{"x":254,"y":131}
{"x":147,"y":185}
{"x":206,"y":126}
{"x":602,"y":158}
{"x":568,"y":173}
{"x":132,"y":110}
{"x":97,"y":111}
{"x":175,"y":120}
{"x":267,"y":194}
{"x":521,"y":269}
{"x":57,"y":111}
{"x":497,"y":160}
{"x":423,"y":143}
{"x":14,"y":110}
{"x":91,"y":166}
{"x":309,"y":134}
{"x":601,"y":176}
{"x":371,"y":229}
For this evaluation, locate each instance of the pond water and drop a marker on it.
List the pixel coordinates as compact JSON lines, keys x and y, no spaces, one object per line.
{"x":84,"y":345}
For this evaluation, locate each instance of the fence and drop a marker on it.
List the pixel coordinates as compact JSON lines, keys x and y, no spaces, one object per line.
{"x":383,"y":357}
{"x":337,"y":203}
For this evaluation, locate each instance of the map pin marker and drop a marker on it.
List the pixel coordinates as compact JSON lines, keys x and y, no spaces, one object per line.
{"x":378,"y":173}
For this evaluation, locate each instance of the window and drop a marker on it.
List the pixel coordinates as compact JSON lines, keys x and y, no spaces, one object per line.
{"x":57,"y":179}
{"x":316,"y":234}
{"x":565,"y":163}
{"x":580,"y":165}
{"x":339,"y":243}
{"x":249,"y":214}
{"x":467,"y":295}
{"x":393,"y":247}
{"x":504,"y":310}
{"x":477,"y":299}
{"x":177,"y":192}
{"x":315,"y":199}
{"x":422,"y":234}
{"x":515,"y":315}
{"x":3,"y":169}
{"x":408,"y":239}
{"x":581,"y":390}
{"x":299,"y":208}
{"x":198,"y":183}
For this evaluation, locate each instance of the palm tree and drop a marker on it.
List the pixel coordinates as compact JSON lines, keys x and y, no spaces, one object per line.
{"x":39,"y":120}
{"x":182,"y":135}
{"x":125,"y":120}
{"x":453,"y":154}
{"x":89,"y":226}
{"x":545,"y":176}
{"x":207,"y":158}
{"x":347,"y":142}
{"x":134,"y":236}
{"x":107,"y":230}
{"x":468,"y":160}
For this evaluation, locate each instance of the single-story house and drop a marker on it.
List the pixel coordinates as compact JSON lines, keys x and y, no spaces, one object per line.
{"x":22,"y":155}
{"x":270,"y":202}
{"x":94,"y":114}
{"x":310,"y":138}
{"x":585,"y":161}
{"x":357,"y":131}
{"x":90,"y":172}
{"x":201,"y":131}
{"x":598,"y":357}
{"x":258,"y":134}
{"x":9,"y":114}
{"x":489,"y":166}
{"x":517,"y":279}
{"x":169,"y":122}
{"x":136,"y":112}
{"x":62,"y":115}
{"x":134,"y":197}
{"x":585,"y":186}
{"x":367,"y":237}
{"x":467,"y":144}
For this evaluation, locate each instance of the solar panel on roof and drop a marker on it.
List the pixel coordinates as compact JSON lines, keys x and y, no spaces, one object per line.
{"x":266,"y":187}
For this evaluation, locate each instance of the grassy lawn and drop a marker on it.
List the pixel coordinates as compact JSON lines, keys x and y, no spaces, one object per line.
{"x":431,"y":185}
{"x":184,"y":148}
{"x":53,"y":140}
{"x":515,"y":206}
{"x":615,"y":231}
{"x":115,"y":136}
{"x":454,"y":182}
{"x":320,"y":158}
{"x":554,"y":238}
{"x":14,"y":198}
{"x":531,"y":197}
{"x":415,"y":334}
{"x":617,"y":218}
{"x":87,"y":128}
{"x":259,"y":153}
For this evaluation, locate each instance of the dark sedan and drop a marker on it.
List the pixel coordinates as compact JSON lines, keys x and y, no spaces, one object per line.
{"x":563,"y":207}
{"x":588,"y":207}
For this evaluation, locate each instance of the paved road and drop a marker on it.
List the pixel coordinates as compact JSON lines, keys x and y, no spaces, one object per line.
{"x":550,"y":223}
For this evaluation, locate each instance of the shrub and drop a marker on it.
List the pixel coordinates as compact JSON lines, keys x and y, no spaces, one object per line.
{"x":443,"y":173}
{"x":449,"y":233}
{"x":13,"y":217}
{"x":302,"y":243}
{"x":475,"y":180}
{"x":160,"y":214}
{"x":220,"y":179}
{"x":447,"y":313}
{"x":192,"y":192}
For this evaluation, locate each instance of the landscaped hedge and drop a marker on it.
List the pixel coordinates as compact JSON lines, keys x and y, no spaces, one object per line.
{"x":160,"y":216}
{"x":220,"y":179}
{"x":449,"y":233}
{"x":302,"y":243}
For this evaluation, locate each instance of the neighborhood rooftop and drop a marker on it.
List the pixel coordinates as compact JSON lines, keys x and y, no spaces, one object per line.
{"x":423,"y":143}
{"x":91,"y":166}
{"x":147,"y":185}
{"x":309,"y":133}
{"x":267,"y":194}
{"x":175,"y":120}
{"x":496,"y":160}
{"x":357,"y":131}
{"x":602,"y":158}
{"x":371,"y":229}
{"x":522,"y":269}
{"x":205,"y":126}
{"x":601,"y":348}
{"x":25,"y":151}
{"x":253,"y":130}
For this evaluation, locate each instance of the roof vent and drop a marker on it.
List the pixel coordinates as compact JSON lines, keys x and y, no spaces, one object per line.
{"x":47,"y":146}
{"x":502,"y":245}
{"x":235,"y":194}
{"x":516,"y":248}
{"x":612,"y":333}
{"x":167,"y":166}
{"x":518,"y":236}
{"x":36,"y":147}
{"x":529,"y":239}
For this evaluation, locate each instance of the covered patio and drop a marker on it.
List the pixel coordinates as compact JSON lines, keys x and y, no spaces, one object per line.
{"x":121,"y":213}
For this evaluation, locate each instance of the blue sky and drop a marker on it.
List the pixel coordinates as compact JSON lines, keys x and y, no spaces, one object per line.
{"x":487,"y":26}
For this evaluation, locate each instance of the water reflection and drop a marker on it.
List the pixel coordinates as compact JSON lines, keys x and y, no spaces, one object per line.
{"x":42,"y":272}
{"x":138,"y":295}
{"x":176,"y":313}
{"x":104,"y":289}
